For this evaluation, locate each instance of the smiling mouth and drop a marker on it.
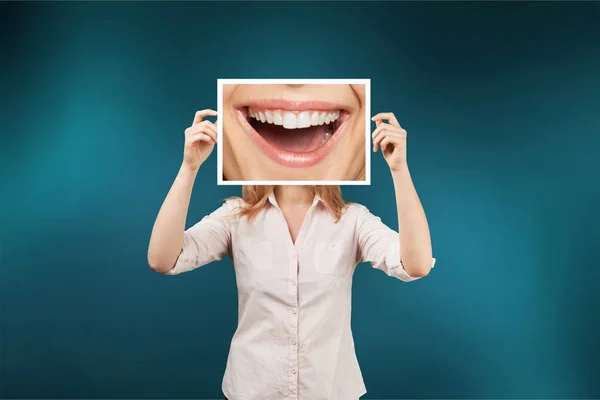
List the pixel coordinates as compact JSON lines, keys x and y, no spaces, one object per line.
{"x":295,"y":137}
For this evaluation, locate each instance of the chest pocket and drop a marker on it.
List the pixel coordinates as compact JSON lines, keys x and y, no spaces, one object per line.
{"x":253,"y":255}
{"x":332,"y":258}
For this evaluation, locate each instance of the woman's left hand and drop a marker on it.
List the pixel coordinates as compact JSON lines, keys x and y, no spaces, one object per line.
{"x":391,"y":138}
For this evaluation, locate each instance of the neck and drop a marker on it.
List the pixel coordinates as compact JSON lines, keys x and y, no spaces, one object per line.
{"x":293,"y":195}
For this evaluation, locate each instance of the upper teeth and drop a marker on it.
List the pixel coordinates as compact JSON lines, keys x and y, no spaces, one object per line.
{"x":294,"y":119}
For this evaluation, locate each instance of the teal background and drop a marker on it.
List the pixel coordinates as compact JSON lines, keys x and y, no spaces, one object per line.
{"x":502,"y":105}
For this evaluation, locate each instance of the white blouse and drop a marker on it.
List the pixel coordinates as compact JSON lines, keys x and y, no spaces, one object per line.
{"x":293,"y":339}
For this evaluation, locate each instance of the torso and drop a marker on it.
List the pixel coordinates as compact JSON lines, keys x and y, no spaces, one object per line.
{"x":294,"y":306}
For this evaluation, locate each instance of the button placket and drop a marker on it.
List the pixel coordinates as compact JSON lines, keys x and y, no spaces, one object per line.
{"x":293,"y":334}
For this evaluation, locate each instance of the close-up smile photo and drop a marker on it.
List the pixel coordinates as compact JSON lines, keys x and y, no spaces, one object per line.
{"x":294,"y":131}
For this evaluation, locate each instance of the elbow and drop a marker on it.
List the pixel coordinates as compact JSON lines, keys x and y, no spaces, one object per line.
{"x":417,"y":269}
{"x":418,"y":272}
{"x":417,"y":264}
{"x":158,"y":266}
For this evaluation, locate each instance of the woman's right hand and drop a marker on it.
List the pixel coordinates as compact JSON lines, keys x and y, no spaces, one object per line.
{"x":200,"y":139}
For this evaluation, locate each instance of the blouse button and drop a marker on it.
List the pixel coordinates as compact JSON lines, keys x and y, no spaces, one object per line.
{"x":294,"y":311}
{"x":332,"y":245}
{"x":293,"y":371}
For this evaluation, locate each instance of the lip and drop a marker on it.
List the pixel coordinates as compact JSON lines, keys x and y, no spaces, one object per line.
{"x":295,"y":105}
{"x":291,"y":158}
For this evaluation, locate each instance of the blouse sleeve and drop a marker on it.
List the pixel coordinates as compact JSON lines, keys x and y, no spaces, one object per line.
{"x":208,"y":240}
{"x":380,"y":245}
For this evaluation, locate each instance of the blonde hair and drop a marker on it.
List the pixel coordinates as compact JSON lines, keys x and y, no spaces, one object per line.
{"x":255,"y":197}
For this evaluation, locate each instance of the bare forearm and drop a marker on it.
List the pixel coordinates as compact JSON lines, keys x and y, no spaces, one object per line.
{"x":167,"y":234}
{"x":415,"y":240}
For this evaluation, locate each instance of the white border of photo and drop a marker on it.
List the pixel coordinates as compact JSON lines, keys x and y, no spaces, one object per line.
{"x":367,"y":109}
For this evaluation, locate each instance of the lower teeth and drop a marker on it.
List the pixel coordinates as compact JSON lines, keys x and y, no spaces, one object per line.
{"x":326,"y":137}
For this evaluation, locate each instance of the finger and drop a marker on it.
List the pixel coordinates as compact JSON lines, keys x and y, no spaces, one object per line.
{"x":200,"y":115}
{"x":386,"y":116}
{"x":385,"y":142}
{"x":195,"y":135}
{"x":206,"y":127}
{"x":376,"y":132}
{"x":382,"y":126}
{"x":209,"y":129}
{"x":210,"y":125}
{"x":214,"y":130}
{"x":394,"y":137}
{"x":377,"y":140}
{"x":200,"y":137}
{"x":394,"y":130}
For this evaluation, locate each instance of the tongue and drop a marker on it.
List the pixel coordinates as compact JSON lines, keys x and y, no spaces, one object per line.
{"x":298,"y":140}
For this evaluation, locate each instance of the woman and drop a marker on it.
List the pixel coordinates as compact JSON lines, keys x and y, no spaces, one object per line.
{"x":294,"y":249}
